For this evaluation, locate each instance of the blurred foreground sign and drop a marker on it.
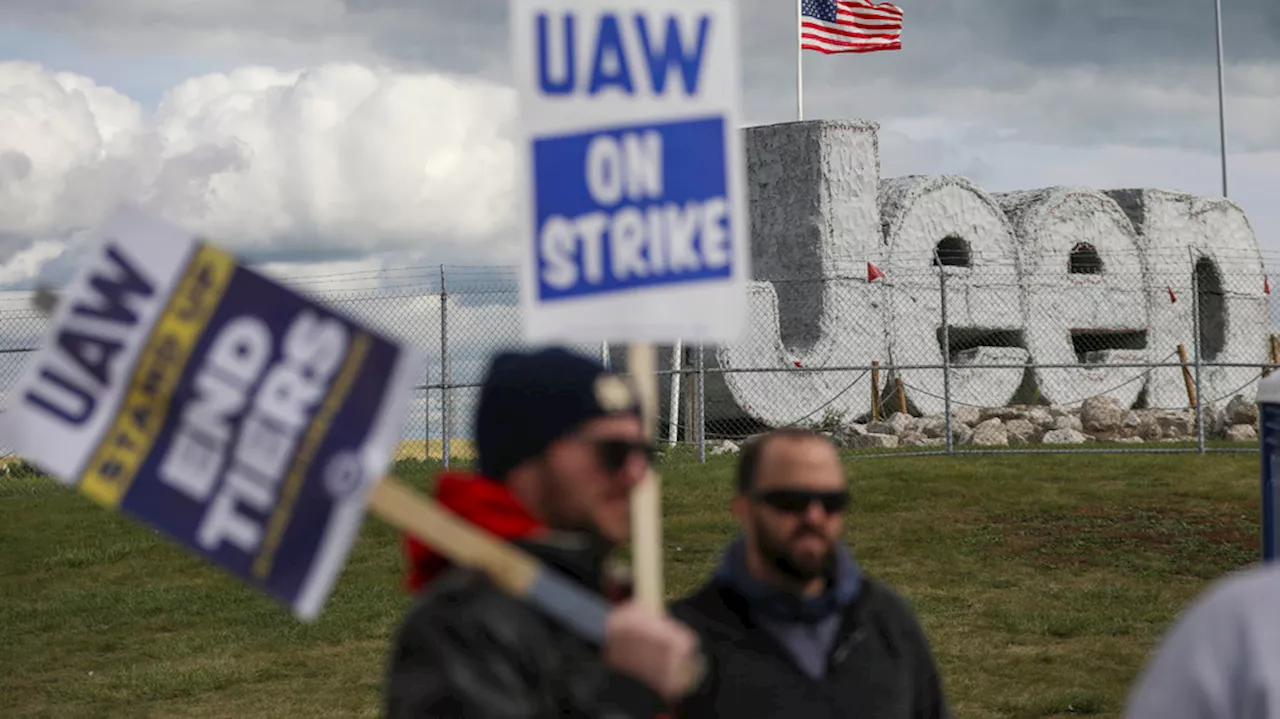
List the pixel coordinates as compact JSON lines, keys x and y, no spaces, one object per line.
{"x":633,"y":203}
{"x":199,"y":397}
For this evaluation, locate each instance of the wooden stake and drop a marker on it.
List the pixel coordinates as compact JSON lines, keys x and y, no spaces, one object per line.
{"x":405,"y":508}
{"x":1192,"y":400}
{"x":646,"y":498}
{"x":875,"y":390}
{"x":902,"y":395}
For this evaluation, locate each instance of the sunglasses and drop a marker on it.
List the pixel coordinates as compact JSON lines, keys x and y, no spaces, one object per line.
{"x":796,"y":501}
{"x":614,"y":453}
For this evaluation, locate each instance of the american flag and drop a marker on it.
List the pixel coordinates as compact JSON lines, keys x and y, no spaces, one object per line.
{"x":834,"y":26}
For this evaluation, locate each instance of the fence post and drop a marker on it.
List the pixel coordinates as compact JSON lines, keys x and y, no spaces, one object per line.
{"x":875,"y":390}
{"x":673,"y":404}
{"x":446,"y":417}
{"x":1187,"y":379}
{"x":1199,"y":349}
{"x":702,"y":405}
{"x":946,"y":353}
{"x":689,"y":396}
{"x":426,"y":415}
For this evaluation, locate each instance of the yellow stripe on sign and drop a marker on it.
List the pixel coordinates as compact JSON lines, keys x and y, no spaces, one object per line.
{"x":311,"y":442}
{"x":138,"y":421}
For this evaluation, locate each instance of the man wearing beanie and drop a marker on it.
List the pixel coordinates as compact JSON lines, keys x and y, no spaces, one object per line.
{"x":561,"y":444}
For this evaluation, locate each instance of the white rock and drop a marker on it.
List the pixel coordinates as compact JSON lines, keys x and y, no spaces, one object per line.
{"x":845,"y":434}
{"x":1149,"y":427}
{"x":1177,"y":424}
{"x":1063,"y":436}
{"x":1068,"y":422}
{"x":1215,"y":420}
{"x":901,"y":422}
{"x":724,"y":447}
{"x":934,"y":427}
{"x":1001,"y":413}
{"x":1101,"y":414}
{"x":1242,"y":411}
{"x":873,"y":441}
{"x":990,"y":434}
{"x":1041,"y":418}
{"x":852,"y":428}
{"x":1020,"y":431}
{"x":911,"y":439}
{"x":881,"y":428}
{"x":1242,"y":433}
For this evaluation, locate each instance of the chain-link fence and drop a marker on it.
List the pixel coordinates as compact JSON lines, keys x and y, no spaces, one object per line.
{"x":954,"y":353}
{"x":1043,"y":352}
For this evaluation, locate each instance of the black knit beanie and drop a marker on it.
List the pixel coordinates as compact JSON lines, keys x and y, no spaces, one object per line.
{"x":529,"y":400}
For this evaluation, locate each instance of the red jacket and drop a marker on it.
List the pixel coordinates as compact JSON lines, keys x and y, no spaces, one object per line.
{"x":455,"y":626}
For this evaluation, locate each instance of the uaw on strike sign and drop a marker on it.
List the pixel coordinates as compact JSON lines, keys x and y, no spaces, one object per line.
{"x":204,"y":400}
{"x":633,"y":204}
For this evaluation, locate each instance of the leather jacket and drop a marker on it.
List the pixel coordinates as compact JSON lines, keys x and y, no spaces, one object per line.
{"x":468,"y":650}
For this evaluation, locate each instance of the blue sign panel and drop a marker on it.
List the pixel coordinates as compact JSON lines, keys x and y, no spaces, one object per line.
{"x":237,"y":417}
{"x":1269,"y":424}
{"x":632,"y":207}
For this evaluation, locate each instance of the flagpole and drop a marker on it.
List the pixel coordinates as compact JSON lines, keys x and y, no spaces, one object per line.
{"x":799,"y":62}
{"x":1222,"y":115}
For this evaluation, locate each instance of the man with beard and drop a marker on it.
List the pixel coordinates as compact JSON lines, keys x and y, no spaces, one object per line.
{"x":792,"y":626}
{"x":561,"y":445}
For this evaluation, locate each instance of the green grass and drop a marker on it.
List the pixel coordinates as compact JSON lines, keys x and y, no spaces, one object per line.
{"x":1043,"y":581}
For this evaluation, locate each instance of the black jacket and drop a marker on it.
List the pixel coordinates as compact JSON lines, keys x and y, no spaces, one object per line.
{"x":468,"y":650}
{"x":881,"y":666}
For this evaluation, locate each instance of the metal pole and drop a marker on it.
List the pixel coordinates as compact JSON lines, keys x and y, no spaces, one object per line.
{"x":673,"y":404}
{"x":799,"y":61}
{"x":446,"y":424}
{"x":1195,"y":324}
{"x":702,"y":404}
{"x":946,"y":353}
{"x":1222,"y":111}
{"x":426,"y":417}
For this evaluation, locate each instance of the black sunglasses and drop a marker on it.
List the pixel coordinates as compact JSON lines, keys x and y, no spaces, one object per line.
{"x":796,"y":501}
{"x":614,"y":453}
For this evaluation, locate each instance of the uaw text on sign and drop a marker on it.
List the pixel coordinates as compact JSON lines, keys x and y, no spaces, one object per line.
{"x":634,"y":217}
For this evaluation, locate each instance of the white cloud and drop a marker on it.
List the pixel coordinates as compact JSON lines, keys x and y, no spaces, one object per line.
{"x":61,"y":141}
{"x":340,"y":160}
